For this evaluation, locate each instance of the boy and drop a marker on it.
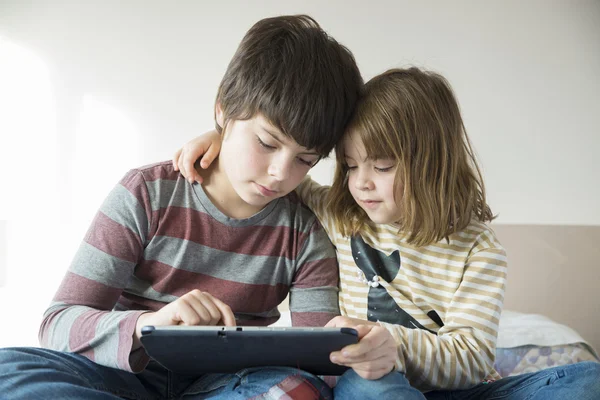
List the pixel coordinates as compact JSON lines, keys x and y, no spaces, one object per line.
{"x":164,"y":252}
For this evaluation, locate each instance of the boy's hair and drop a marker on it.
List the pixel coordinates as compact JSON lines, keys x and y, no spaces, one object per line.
{"x":298,"y":77}
{"x":412,"y":116}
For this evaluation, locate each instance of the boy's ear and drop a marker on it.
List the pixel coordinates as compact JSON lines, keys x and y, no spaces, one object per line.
{"x":219,"y":114}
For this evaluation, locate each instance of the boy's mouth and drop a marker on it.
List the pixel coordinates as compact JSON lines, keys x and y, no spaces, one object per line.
{"x":265,"y":190}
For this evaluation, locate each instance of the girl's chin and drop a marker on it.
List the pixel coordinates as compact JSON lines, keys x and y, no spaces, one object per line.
{"x":382,"y":219}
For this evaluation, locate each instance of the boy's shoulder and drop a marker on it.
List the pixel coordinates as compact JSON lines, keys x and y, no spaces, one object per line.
{"x":150,"y":174}
{"x":294,"y":201}
{"x":156,"y":182}
{"x":293,"y":208}
{"x":157,"y":170}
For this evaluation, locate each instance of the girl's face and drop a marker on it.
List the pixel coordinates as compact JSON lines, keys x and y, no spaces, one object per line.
{"x":371,"y":181}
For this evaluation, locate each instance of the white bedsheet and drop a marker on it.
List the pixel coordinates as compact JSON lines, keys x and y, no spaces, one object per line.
{"x":519,"y":329}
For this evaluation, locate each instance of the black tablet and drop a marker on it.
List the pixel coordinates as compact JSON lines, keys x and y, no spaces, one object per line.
{"x":197,"y":350}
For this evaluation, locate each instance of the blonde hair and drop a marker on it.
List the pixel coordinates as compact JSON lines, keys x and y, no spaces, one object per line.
{"x":412,"y":116}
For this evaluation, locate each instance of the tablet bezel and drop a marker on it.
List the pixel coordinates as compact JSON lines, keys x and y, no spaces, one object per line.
{"x":195,"y":350}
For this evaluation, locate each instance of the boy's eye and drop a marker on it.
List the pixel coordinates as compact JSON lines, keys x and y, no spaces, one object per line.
{"x":309,"y":163}
{"x":303,"y":161}
{"x":263,"y":144}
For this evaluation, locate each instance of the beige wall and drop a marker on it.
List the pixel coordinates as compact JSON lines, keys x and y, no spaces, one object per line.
{"x":555,"y":271}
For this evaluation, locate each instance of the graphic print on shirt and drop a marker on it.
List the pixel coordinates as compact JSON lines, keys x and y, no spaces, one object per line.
{"x":375,"y":265}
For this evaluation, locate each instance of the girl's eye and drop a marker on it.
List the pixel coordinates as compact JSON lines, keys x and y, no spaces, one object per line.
{"x":384,"y":169}
{"x":263,"y":144}
{"x":351,"y":167}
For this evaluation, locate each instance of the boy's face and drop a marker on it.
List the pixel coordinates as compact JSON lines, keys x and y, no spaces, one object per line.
{"x":371,"y":182}
{"x":262,"y":163}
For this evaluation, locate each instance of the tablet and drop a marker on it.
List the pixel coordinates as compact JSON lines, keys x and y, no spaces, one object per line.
{"x":195,"y":350}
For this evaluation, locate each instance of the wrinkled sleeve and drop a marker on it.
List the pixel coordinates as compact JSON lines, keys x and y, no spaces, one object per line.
{"x":313,"y":195}
{"x":462,"y":354}
{"x":80,"y":318}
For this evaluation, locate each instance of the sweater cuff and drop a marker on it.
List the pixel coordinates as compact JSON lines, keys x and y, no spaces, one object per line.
{"x":132,"y":361}
{"x":393,"y":330}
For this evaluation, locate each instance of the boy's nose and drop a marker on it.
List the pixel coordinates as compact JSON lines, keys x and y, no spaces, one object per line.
{"x":279,"y":169}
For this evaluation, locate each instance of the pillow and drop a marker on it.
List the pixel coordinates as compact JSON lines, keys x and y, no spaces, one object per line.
{"x":531,"y":358}
{"x":532,"y":342}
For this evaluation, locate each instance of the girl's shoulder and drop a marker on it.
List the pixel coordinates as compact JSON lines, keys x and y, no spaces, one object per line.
{"x":477,"y":231}
{"x":476,"y":237}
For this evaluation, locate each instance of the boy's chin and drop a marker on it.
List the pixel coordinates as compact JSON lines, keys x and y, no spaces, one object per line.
{"x":256,"y":199}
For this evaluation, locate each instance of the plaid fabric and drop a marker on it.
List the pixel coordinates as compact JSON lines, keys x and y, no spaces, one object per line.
{"x":293,"y":387}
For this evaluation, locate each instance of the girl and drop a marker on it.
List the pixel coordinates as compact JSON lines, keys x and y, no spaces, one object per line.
{"x":422,"y":277}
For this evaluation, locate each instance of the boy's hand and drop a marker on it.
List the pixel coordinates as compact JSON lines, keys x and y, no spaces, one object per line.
{"x":373,"y":356}
{"x":206,"y":146}
{"x":193,"y":308}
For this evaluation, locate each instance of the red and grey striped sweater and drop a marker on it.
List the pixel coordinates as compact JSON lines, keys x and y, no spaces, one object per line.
{"x":157,"y":237}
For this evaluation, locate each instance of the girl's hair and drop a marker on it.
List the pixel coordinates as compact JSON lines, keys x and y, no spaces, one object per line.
{"x":412,"y":116}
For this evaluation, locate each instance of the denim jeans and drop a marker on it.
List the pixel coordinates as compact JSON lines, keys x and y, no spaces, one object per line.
{"x":579,"y":381}
{"x":392,"y":386}
{"x":35,"y":373}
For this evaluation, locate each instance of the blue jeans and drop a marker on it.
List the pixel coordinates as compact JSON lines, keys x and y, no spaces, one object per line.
{"x":35,"y":373}
{"x":579,"y":381}
{"x":392,"y":386}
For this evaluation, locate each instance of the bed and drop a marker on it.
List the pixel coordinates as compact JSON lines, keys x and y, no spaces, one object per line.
{"x":533,"y":342}
{"x":552,"y":297}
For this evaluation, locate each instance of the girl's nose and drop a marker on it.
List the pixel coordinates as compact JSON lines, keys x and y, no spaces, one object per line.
{"x":363,"y":181}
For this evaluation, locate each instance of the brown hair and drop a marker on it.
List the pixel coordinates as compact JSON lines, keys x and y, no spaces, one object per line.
{"x":412,"y":116}
{"x":298,"y":77}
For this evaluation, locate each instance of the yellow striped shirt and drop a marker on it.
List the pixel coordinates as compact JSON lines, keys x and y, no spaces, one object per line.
{"x":463,"y":280}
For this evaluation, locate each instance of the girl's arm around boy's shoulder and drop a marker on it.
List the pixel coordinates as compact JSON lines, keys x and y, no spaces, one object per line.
{"x":80,"y":318}
{"x":462,"y":353}
{"x":314,"y":196}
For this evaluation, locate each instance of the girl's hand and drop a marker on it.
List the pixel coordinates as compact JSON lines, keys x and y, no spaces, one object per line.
{"x":193,"y":308}
{"x":206,"y":146}
{"x":374,"y":355}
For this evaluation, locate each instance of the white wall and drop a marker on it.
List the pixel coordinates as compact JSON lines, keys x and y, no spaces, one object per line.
{"x":89,"y":89}
{"x":3,"y":242}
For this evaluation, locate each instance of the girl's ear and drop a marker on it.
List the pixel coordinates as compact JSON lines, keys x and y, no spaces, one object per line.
{"x":219,"y":114}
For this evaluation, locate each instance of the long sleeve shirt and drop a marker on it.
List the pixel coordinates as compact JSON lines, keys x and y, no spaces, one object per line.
{"x":157,"y":237}
{"x":441,"y":302}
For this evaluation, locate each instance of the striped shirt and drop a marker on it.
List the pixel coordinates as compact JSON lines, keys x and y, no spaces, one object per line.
{"x":157,"y":237}
{"x":443,"y":300}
